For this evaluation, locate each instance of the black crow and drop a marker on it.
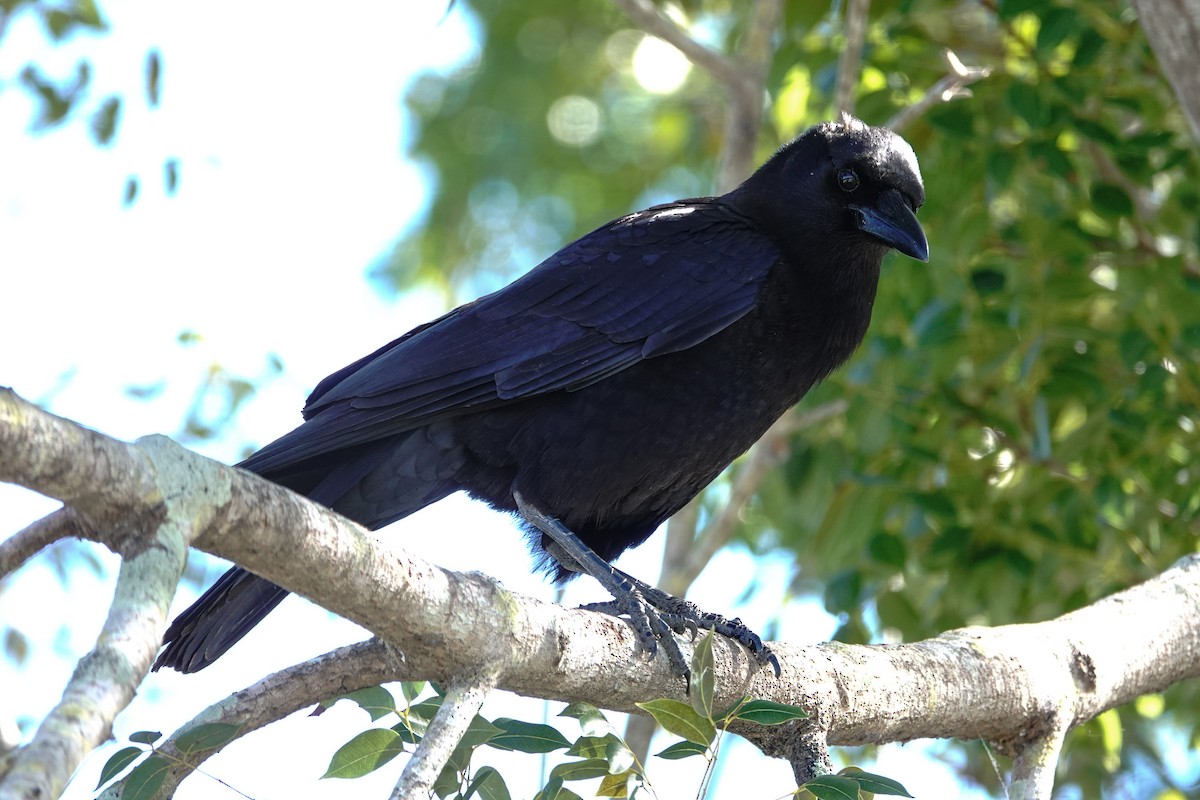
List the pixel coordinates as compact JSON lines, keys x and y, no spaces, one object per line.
{"x":600,"y":392}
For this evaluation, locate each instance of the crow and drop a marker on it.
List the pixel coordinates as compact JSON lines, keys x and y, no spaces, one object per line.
{"x":604,"y":389}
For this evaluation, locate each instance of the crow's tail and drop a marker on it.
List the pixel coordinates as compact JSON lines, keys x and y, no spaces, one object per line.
{"x":223,"y":615}
{"x":374,"y":484}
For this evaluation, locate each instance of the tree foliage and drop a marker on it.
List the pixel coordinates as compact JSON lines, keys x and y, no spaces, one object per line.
{"x":1022,"y":419}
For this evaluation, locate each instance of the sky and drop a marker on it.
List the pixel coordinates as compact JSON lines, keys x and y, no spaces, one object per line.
{"x":288,"y":127}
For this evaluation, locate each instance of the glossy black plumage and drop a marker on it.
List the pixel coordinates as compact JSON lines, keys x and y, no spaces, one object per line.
{"x":614,"y":381}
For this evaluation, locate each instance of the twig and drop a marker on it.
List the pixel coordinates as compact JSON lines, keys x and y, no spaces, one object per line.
{"x":649,"y":18}
{"x":950,"y":87}
{"x":851,"y":57}
{"x":464,"y":697}
{"x":35,"y":537}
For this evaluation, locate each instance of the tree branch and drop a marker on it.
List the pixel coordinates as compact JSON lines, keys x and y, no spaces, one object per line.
{"x":1033,"y":769}
{"x":1012,"y":685}
{"x":851,"y":57}
{"x":344,"y":670}
{"x":744,"y":118}
{"x":464,"y":698}
{"x":653,"y":21}
{"x":951,"y":87}
{"x":31,"y":540}
{"x":1173,"y":29}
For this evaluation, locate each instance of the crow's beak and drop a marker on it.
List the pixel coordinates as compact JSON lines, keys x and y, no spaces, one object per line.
{"x":892,"y":222}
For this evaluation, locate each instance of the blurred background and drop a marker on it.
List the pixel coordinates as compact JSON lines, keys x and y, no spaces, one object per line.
{"x":203,"y":211}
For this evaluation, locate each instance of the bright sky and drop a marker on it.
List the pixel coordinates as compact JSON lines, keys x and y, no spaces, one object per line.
{"x":288,"y":127}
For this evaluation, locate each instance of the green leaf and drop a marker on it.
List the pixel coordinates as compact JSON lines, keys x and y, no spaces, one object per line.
{"x":591,"y":746}
{"x":424,"y":711}
{"x":988,"y":281}
{"x":207,"y":736}
{"x":833,"y":787}
{"x":526,"y":737}
{"x":153,"y":75}
{"x":479,"y":732}
{"x":1090,"y":44}
{"x":146,"y":779}
{"x":609,"y":748}
{"x":406,"y":731}
{"x":704,"y":681}
{"x":684,"y":749}
{"x":876,"y":784}
{"x":1011,"y":8}
{"x":375,"y":700}
{"x":953,"y":119}
{"x":171,"y":175}
{"x":1055,"y":160}
{"x":1094,"y":130}
{"x":843,"y":591}
{"x":118,"y":762}
{"x":16,"y":646}
{"x":681,"y":720}
{"x":619,"y":757}
{"x":145,"y":737}
{"x":1000,"y":166}
{"x":1057,"y":24}
{"x":888,"y":549}
{"x":365,"y":753}
{"x":104,"y":121}
{"x":767,"y":712}
{"x":412,"y":690}
{"x":488,"y":784}
{"x":591,"y":720}
{"x":553,"y":790}
{"x":1027,"y":103}
{"x":620,"y":785}
{"x":1110,"y":200}
{"x":581,"y":770}
{"x":448,"y":782}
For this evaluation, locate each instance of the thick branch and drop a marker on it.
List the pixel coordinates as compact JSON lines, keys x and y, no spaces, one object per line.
{"x":1010,"y":685}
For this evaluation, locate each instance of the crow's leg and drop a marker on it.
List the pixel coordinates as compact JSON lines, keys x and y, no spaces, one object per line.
{"x":653,"y":613}
{"x":685,"y":616}
{"x":576,"y":556}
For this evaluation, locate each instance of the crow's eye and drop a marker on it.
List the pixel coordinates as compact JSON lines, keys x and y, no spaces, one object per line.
{"x":847,"y":179}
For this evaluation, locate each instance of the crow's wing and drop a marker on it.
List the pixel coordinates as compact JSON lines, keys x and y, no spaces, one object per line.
{"x":655,"y":282}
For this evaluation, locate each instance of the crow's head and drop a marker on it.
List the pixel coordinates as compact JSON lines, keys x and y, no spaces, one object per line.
{"x":839,"y":185}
